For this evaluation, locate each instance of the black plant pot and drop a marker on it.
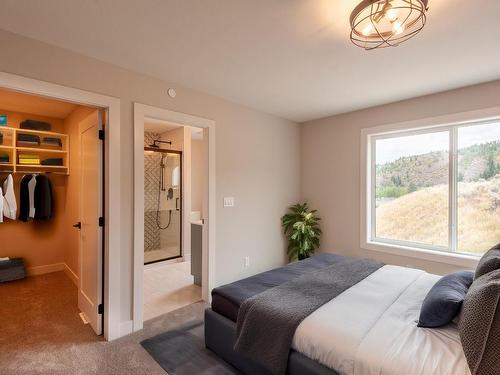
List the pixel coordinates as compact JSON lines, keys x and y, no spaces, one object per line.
{"x":302,"y":257}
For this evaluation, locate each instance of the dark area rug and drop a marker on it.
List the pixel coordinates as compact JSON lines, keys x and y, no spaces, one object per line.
{"x":182,"y":352}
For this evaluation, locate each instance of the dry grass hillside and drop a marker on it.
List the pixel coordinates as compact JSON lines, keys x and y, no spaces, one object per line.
{"x":422,"y":216}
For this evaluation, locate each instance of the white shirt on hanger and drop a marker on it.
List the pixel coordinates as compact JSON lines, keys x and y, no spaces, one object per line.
{"x":31,"y":191}
{"x":9,"y":199}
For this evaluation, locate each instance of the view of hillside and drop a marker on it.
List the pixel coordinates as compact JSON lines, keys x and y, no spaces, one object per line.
{"x":412,"y":198}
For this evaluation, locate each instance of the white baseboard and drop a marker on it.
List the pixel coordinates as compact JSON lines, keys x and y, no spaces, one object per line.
{"x":69,"y":272}
{"x":47,"y":268}
{"x":55,"y":267}
{"x":126,"y":328}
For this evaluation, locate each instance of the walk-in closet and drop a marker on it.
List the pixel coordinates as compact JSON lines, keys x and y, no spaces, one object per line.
{"x":50,"y":208}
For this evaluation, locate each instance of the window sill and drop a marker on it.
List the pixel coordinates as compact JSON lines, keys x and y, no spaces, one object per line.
{"x":462,"y":260}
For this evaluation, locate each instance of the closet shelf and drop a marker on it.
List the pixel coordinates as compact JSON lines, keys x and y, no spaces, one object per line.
{"x":39,"y":166}
{"x":39,"y":149}
{"x":42,"y":151}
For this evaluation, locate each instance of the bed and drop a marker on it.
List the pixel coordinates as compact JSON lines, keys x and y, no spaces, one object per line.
{"x":369,"y":328}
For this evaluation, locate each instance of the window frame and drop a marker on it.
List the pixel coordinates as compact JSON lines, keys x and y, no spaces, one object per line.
{"x":449,"y":123}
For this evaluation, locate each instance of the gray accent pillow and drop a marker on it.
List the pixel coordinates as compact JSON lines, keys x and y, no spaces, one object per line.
{"x":443,"y":302}
{"x":479,"y":325}
{"x":489,"y":262}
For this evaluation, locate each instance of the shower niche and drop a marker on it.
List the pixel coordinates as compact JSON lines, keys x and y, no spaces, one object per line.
{"x":162,"y":204}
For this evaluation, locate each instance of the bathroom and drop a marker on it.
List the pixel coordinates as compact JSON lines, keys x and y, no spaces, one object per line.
{"x":173,"y":188}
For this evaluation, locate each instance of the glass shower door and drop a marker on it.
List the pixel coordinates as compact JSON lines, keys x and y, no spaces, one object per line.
{"x":162,"y":205}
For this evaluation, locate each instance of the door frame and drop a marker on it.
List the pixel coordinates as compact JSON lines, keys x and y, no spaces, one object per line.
{"x":141,"y":113}
{"x":112,"y":188}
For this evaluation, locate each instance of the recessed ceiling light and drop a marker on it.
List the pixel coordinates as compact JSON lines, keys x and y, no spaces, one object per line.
{"x":387,"y":23}
{"x":171,"y":93}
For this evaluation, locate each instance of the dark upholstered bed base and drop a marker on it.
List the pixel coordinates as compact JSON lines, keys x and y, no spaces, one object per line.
{"x":220,"y":333}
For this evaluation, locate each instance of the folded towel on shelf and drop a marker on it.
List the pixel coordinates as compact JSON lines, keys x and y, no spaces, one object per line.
{"x":28,"y":139}
{"x":35,"y":125}
{"x":51,"y":141}
{"x":4,"y":259}
{"x":53,"y":161}
{"x":29,"y":161}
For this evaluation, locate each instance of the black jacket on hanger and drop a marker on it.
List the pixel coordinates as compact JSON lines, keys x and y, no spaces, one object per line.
{"x":24,"y":197}
{"x":43,"y":198}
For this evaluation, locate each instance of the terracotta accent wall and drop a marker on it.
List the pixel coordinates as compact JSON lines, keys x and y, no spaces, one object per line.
{"x":40,"y":243}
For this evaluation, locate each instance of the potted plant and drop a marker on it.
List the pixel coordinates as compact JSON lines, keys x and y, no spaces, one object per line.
{"x":301,"y":228}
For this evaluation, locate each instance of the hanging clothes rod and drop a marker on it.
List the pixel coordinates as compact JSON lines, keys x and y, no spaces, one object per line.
{"x":34,"y":172}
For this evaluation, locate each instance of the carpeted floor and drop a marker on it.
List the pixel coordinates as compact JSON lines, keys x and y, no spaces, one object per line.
{"x":41,"y":332}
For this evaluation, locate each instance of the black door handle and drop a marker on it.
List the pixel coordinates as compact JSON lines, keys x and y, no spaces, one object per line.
{"x":78,"y":225}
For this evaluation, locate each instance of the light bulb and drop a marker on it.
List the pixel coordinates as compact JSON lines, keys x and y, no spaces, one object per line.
{"x":392,"y":15}
{"x":368,"y":29}
{"x":398,"y":28}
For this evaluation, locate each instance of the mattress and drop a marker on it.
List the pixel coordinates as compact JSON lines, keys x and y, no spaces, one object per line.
{"x":226,"y":300}
{"x":371,"y":329}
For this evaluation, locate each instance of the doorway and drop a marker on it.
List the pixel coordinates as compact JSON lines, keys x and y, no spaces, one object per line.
{"x":51,"y":170}
{"x":109,"y":268}
{"x":181,"y":269}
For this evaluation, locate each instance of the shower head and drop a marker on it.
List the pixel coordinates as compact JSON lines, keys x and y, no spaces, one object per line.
{"x":155,"y":143}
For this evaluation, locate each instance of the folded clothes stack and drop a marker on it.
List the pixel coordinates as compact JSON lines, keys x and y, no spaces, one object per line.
{"x":28,"y":159}
{"x":35,"y":125}
{"x":28,"y":139}
{"x":4,"y":159}
{"x":50,"y":141}
{"x":53,"y":161}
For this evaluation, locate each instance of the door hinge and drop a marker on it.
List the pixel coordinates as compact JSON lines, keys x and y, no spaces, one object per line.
{"x":101,"y":135}
{"x":101,"y":221}
{"x":100,"y":309}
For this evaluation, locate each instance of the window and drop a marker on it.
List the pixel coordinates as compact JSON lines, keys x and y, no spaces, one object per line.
{"x":436,"y":189}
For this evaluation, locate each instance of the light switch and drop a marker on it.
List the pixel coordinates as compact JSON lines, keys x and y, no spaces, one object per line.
{"x":228,"y":201}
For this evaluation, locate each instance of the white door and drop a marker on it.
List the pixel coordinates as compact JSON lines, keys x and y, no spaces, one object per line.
{"x":90,"y":288}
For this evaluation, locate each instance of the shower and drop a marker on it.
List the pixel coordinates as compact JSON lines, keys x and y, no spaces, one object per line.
{"x":162,"y":202}
{"x":161,"y":188}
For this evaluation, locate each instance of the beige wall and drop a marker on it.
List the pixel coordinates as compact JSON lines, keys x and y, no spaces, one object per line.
{"x":198,"y":164}
{"x":257,"y":155}
{"x":330,"y":163}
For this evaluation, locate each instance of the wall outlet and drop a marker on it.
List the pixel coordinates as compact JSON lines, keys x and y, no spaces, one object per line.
{"x":247,"y":261}
{"x":228,"y":201}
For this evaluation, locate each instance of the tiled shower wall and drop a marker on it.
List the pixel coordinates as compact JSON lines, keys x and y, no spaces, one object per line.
{"x":151,"y":177}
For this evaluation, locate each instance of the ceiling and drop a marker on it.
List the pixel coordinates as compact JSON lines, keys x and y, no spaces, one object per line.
{"x":289,"y":58}
{"x":35,"y":105}
{"x":159,"y":127}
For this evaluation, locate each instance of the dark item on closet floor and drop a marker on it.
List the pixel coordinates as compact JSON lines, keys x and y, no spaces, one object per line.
{"x":53,"y":161}
{"x":28,"y":139}
{"x":43,"y":198}
{"x":35,"y":125}
{"x":12,"y":269}
{"x":51,"y":141}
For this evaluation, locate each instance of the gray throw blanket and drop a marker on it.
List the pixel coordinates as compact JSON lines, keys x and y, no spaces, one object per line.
{"x":267,"y":321}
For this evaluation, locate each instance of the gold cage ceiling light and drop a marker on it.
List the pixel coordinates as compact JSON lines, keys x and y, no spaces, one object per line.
{"x":387,"y":23}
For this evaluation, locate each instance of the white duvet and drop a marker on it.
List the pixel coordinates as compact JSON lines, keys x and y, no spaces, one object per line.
{"x":371,"y":329}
